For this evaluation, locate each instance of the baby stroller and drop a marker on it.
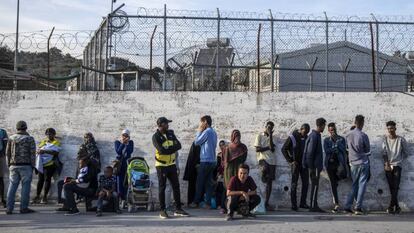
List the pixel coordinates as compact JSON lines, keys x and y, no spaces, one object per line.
{"x":139,"y":192}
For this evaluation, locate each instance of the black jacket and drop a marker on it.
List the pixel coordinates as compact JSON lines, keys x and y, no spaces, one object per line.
{"x":193,"y":159}
{"x":293,"y":150}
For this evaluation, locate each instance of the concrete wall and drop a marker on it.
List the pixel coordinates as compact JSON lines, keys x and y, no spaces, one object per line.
{"x":107,"y":113}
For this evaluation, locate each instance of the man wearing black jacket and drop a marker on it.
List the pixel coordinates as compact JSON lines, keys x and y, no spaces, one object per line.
{"x":313,"y":160}
{"x":166,"y":145}
{"x":292,"y":150}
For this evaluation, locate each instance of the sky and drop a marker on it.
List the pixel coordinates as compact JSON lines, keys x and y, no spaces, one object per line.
{"x":87,"y":14}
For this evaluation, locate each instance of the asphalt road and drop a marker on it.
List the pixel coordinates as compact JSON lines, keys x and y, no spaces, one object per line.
{"x":47,"y":220}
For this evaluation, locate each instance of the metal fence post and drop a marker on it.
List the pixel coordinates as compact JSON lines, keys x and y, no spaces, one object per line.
{"x":272,"y":50}
{"x":107,"y":55}
{"x":218,"y":50}
{"x":311,"y":68}
{"x":150,"y":68}
{"x":373,"y":58}
{"x":258,"y":58}
{"x":344,"y":69}
{"x":327,"y":53}
{"x":165,"y":48}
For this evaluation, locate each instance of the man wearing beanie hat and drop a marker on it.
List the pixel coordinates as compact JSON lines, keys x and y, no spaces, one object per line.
{"x":21,"y":155}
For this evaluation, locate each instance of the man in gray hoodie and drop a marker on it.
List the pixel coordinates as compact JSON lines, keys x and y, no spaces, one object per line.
{"x":394,"y":150}
{"x":359,"y":151}
{"x":21,"y":155}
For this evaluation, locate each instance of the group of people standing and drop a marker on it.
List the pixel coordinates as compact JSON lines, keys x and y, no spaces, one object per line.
{"x":214,"y":180}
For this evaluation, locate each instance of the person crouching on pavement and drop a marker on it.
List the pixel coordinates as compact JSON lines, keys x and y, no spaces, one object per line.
{"x":107,"y":190}
{"x":241,"y":194}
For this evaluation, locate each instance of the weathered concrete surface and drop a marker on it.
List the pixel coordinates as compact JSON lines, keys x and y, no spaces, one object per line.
{"x":107,"y":113}
{"x":204,"y":221}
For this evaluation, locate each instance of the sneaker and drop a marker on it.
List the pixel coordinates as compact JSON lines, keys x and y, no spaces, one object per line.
{"x":181,"y":212}
{"x":27,"y":211}
{"x":317,"y":210}
{"x":250,"y":215}
{"x":348,"y":211}
{"x":228,"y":217}
{"x":35,"y":200}
{"x":358,"y":211}
{"x":44,"y":201}
{"x":304,"y":206}
{"x":163,"y":214}
{"x":72,"y":212}
{"x":193,"y":205}
{"x":397,"y":210}
{"x":63,"y":209}
{"x":9,"y":212}
{"x":390,"y":210}
{"x":98,"y":213}
{"x":335,"y":210}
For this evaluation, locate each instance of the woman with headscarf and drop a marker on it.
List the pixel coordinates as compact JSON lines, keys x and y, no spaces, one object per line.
{"x":89,"y":150}
{"x":124,"y":147}
{"x":234,"y":155}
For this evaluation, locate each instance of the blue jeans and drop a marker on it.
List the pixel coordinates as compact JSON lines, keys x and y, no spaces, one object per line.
{"x":205,"y":181}
{"x":359,"y":174}
{"x":17,"y":174}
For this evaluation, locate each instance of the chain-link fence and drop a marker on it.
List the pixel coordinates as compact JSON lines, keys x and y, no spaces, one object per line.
{"x":164,"y":49}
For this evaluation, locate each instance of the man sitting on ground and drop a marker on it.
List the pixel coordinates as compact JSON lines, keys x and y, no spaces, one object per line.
{"x":107,"y":191}
{"x":84,"y":185}
{"x":241,"y":194}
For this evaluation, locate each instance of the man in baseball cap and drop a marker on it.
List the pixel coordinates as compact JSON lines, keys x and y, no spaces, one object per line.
{"x":166,"y":146}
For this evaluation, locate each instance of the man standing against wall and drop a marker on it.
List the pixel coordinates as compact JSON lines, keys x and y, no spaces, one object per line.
{"x":313,"y":160}
{"x":359,"y":151}
{"x":21,"y":156}
{"x":335,"y":161}
{"x":266,"y":156}
{"x":394,"y":150}
{"x":206,"y":138}
{"x":292,"y":150}
{"x":166,"y":146}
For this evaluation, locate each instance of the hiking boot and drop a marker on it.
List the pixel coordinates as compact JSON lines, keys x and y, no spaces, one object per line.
{"x":163,"y":214}
{"x":304,"y":206}
{"x":358,"y":211}
{"x":336,"y":209}
{"x":44,"y":201}
{"x":181,"y":212}
{"x":36,"y":200}
{"x":228,"y":217}
{"x":27,"y":211}
{"x":72,"y":212}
